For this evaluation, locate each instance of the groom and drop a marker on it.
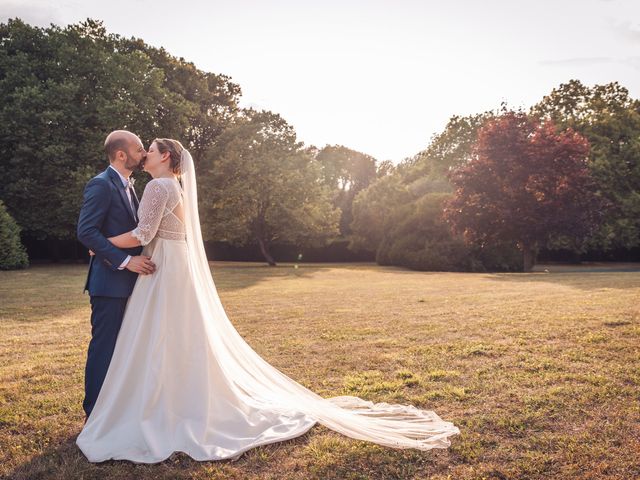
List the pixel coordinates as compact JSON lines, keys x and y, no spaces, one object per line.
{"x":110,"y":208}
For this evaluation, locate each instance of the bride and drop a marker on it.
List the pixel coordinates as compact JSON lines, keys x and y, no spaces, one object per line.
{"x":183,"y":379}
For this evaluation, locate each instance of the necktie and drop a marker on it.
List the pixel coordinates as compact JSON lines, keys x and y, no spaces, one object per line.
{"x":132,"y":196}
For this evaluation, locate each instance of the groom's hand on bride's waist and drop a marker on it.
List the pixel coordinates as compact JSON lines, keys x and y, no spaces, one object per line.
{"x":141,"y":264}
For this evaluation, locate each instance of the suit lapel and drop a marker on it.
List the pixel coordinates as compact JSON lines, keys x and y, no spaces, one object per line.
{"x":115,"y":178}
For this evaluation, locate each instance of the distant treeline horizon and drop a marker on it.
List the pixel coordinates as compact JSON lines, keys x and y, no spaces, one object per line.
{"x":65,"y":88}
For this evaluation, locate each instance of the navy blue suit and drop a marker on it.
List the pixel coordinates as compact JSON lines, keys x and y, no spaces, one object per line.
{"x":105,"y":212}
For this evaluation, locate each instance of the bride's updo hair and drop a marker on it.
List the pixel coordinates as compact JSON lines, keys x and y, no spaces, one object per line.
{"x":174,"y":147}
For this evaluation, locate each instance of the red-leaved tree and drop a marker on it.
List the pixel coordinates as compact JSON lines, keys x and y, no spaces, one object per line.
{"x":525,"y":184}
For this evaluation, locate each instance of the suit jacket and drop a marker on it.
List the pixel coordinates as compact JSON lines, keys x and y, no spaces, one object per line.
{"x":106,"y":212}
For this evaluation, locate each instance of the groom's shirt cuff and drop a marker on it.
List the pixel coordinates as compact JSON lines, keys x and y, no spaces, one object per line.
{"x":124,"y":264}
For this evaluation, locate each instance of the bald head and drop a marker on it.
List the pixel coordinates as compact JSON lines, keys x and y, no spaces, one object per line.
{"x":119,"y":140}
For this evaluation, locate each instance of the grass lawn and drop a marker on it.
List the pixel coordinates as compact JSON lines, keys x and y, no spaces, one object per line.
{"x":540,"y":371}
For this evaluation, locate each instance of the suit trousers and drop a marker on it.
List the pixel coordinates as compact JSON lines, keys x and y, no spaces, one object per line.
{"x":106,"y":319}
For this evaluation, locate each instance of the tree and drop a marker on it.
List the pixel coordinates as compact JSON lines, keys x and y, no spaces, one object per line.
{"x":212,"y":98}
{"x":346,"y":172}
{"x":411,"y":231}
{"x":419,"y":238}
{"x":610,"y":119}
{"x":385,"y":167}
{"x":262,"y":186}
{"x":526,"y":184}
{"x":64,"y":90}
{"x":12,"y":252}
{"x":373,"y":210}
{"x":449,"y":149}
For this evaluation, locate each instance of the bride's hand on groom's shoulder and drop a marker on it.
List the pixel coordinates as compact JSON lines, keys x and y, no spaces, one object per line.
{"x":141,"y":264}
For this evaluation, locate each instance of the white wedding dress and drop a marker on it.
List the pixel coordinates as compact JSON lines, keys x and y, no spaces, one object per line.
{"x":182,"y":378}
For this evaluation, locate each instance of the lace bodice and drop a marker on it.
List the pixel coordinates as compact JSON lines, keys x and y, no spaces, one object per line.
{"x":160,"y":211}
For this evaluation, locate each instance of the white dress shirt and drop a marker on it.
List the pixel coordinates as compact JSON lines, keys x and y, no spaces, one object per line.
{"x":125,"y":181}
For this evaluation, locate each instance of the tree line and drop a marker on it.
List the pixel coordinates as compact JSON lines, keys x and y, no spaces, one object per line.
{"x":494,"y":188}
{"x":64,"y":89}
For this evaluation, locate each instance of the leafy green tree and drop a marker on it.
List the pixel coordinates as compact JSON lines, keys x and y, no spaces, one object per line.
{"x":63,"y":91}
{"x":263,"y":187}
{"x":373,"y":210}
{"x":211,"y":99}
{"x":12,"y":252}
{"x":346,"y":172}
{"x":383,"y":168}
{"x":448,"y":150}
{"x":419,"y":238}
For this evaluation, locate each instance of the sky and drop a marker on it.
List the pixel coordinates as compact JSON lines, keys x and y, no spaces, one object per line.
{"x":380,"y":77}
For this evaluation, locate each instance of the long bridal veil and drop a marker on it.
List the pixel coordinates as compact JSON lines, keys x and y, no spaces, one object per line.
{"x":263,"y":386}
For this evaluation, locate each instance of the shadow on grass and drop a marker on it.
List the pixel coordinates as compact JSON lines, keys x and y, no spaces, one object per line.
{"x":66,"y":460}
{"x":230,"y":276}
{"x":322,"y":454}
{"x":587,"y":281}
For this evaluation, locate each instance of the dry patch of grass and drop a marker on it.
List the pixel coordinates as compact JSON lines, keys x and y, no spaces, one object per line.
{"x":540,"y":371}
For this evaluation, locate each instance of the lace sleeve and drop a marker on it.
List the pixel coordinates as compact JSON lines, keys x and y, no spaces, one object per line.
{"x":150,"y":211}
